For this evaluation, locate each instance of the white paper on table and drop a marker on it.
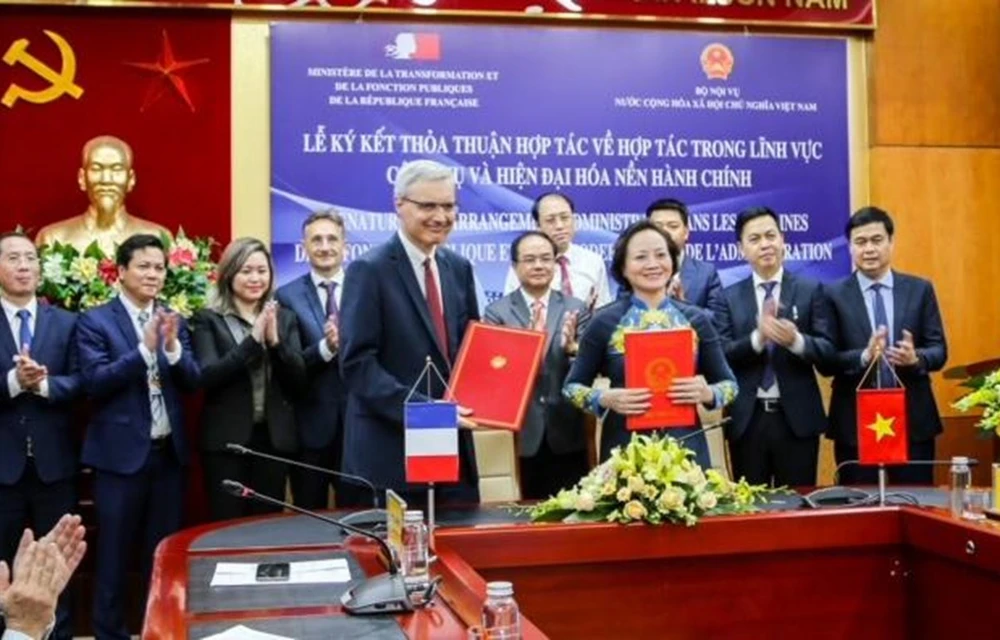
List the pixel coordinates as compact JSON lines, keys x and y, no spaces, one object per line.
{"x":245,"y":633}
{"x":232,"y":574}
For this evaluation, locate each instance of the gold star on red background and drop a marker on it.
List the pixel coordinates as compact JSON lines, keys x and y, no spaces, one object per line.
{"x":167,"y":70}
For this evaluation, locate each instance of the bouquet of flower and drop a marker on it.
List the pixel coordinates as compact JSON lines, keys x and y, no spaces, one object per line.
{"x":986,"y":394}
{"x":652,"y":479}
{"x":78,"y":282}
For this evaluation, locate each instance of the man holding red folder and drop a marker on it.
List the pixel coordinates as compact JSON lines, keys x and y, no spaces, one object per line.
{"x":552,"y":441}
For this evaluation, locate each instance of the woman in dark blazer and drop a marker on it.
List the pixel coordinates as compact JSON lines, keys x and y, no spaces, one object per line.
{"x":645,"y":258}
{"x":251,"y":368}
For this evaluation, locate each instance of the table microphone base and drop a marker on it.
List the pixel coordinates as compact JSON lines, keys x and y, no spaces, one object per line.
{"x":382,"y":594}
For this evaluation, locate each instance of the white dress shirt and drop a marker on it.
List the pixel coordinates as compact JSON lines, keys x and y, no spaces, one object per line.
{"x":13,"y":386}
{"x":161,"y":428}
{"x":587,"y":276}
{"x":417,"y":257}
{"x":798,"y":347}
{"x":320,"y":285}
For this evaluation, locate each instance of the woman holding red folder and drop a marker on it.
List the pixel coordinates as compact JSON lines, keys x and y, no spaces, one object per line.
{"x":644,"y":260}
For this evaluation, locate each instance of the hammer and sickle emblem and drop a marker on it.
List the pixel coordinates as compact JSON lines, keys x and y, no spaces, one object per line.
{"x":60,"y":82}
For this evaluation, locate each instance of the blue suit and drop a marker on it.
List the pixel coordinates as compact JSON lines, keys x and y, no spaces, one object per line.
{"x":701,"y":283}
{"x":785,"y":444}
{"x":320,"y":412}
{"x":386,"y":336}
{"x":138,"y":480}
{"x":915,"y":309}
{"x":37,"y":491}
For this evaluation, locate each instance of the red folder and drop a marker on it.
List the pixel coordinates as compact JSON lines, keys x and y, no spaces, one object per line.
{"x":495,"y":373}
{"x":652,"y":360}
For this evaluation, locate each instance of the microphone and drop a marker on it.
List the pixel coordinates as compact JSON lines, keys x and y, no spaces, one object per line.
{"x":378,"y":513}
{"x":385,"y":593}
{"x":718,"y":425}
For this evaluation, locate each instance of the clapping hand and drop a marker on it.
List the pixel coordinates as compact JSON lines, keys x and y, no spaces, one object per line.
{"x":675,"y":289}
{"x":331,"y":334}
{"x":876,"y":344}
{"x":271,"y":328}
{"x":169,"y":324}
{"x":28,"y":372}
{"x":151,"y":332}
{"x":569,"y":337}
{"x":904,"y":354}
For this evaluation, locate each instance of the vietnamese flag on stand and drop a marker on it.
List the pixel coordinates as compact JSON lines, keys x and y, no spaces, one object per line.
{"x":882,"y":433}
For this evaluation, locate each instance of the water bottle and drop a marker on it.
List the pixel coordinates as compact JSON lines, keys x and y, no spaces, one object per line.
{"x":961,"y":477}
{"x":501,"y":618}
{"x":415,"y":573}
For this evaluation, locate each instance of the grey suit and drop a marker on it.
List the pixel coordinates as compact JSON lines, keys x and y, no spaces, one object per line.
{"x":552,"y":437}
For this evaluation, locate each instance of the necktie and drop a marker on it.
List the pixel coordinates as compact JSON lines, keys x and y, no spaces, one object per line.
{"x":156,"y":406}
{"x":882,"y":320}
{"x":537,"y":317}
{"x":567,"y":286}
{"x":434,"y":306}
{"x":24,"y":334}
{"x":767,"y":381}
{"x":332,"y":311}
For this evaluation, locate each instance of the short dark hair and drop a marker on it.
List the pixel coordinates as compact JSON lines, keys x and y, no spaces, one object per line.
{"x":549,"y":194}
{"x":669,"y":204}
{"x":753,"y":213}
{"x":324,"y":214}
{"x":621,"y":248}
{"x":134,"y":243}
{"x":868,"y":215}
{"x":516,"y":245}
{"x":14,"y":234}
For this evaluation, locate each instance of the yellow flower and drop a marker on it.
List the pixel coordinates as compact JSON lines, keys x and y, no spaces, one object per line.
{"x":635,"y":510}
{"x":650,"y":492}
{"x":180,"y":304}
{"x":624,"y":494}
{"x":83,"y":269}
{"x":609,"y":489}
{"x":636,"y":484}
{"x":708,"y":500}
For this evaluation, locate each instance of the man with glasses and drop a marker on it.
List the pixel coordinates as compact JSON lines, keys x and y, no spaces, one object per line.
{"x":37,"y":393}
{"x":405,"y":301}
{"x":580,"y":273}
{"x":552,"y":442}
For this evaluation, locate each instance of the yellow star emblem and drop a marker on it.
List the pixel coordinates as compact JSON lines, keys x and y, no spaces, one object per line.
{"x":882,"y":427}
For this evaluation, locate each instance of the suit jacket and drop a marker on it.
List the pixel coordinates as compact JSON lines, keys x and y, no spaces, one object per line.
{"x":386,"y":336}
{"x":320,"y":410}
{"x":801,"y":301}
{"x":47,"y":421}
{"x":701,"y":283}
{"x":227,"y":413}
{"x":115,"y":378}
{"x":915,"y":309}
{"x":595,"y":358}
{"x":549,"y":415}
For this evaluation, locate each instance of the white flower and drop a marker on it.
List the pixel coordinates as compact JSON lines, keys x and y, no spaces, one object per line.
{"x":636,"y":484}
{"x":585,"y":501}
{"x":634,"y":510}
{"x":52,"y":269}
{"x":708,"y":500}
{"x":671,"y":499}
{"x":624,"y":494}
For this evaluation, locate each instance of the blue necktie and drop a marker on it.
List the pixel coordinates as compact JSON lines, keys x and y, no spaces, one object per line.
{"x":767,"y":381}
{"x":24,"y":334}
{"x":882,"y":320}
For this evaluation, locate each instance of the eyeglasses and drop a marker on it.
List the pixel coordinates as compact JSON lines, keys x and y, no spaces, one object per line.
{"x":430,"y":207}
{"x":533,"y":260}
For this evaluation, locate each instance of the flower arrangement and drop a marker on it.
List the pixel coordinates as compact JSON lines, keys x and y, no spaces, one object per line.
{"x":986,"y":394}
{"x":79,"y":282}
{"x":652,"y":479}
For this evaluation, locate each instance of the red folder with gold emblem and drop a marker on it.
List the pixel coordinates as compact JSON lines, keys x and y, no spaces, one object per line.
{"x":495,"y":373}
{"x":652,"y":360}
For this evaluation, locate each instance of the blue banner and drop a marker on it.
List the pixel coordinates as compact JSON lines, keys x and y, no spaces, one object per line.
{"x":613,"y":118}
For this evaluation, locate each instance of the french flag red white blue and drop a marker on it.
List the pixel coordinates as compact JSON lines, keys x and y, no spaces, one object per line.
{"x":415,"y":46}
{"x":431,"y":442}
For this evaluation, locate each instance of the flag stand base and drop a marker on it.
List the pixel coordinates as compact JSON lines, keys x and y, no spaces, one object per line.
{"x":882,"y":475}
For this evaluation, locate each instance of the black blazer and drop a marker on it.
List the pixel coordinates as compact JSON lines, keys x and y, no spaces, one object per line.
{"x":227,"y":413}
{"x":915,"y":309}
{"x":803,"y":303}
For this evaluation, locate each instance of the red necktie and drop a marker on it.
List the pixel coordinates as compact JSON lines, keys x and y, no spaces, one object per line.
{"x":567,"y":286}
{"x":537,"y":320}
{"x":434,"y":305}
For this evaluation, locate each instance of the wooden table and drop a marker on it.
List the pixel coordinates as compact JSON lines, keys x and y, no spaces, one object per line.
{"x":894,"y":572}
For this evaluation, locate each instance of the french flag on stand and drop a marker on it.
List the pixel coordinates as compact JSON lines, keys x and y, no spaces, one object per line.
{"x":431,"y":441}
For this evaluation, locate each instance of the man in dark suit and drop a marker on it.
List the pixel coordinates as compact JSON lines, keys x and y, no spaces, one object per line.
{"x":405,"y":301}
{"x":878,"y":310}
{"x":315,"y":299}
{"x":697,"y":282}
{"x":37,"y":455}
{"x":552,"y":441}
{"x":135,"y":362}
{"x":775,"y":330}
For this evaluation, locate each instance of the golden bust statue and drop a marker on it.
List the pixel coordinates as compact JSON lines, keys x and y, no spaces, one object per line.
{"x":107,"y":177}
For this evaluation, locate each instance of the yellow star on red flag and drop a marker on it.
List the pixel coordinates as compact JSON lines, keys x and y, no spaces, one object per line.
{"x":167,"y":70}
{"x":882,"y":427}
